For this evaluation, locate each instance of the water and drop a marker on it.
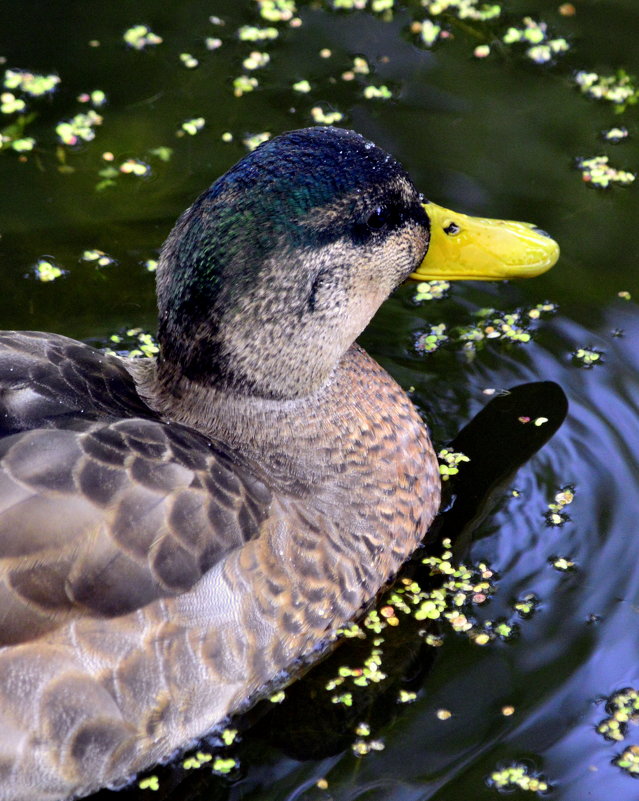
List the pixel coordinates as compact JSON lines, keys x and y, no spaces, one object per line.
{"x":497,"y":137}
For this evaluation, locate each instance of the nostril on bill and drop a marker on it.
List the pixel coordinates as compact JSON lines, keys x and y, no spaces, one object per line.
{"x":541,"y":232}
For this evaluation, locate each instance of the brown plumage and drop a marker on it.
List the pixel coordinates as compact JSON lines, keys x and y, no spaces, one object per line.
{"x":174,"y":536}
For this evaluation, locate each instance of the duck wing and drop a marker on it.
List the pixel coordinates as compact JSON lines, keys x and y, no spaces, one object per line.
{"x":103,"y":506}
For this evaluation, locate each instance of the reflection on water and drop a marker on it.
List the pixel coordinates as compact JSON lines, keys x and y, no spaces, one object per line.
{"x":495,"y":136}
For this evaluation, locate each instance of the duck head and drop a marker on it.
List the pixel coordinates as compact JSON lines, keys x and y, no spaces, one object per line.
{"x":268,"y":278}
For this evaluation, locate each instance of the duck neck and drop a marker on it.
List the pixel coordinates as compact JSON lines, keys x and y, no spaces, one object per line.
{"x":294,"y":443}
{"x":355,"y":452}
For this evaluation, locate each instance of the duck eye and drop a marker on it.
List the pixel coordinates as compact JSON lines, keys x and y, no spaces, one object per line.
{"x":378,"y":220}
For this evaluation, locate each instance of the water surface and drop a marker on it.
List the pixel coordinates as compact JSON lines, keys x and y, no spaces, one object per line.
{"x":496,"y":136}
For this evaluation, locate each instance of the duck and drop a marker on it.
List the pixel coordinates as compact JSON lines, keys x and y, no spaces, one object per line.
{"x":178,"y":534}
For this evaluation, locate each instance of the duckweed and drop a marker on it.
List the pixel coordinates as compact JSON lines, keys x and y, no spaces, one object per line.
{"x":368,"y":673}
{"x":346,"y":699}
{"x":481,"y":51}
{"x":224,"y":765}
{"x":135,"y":167}
{"x":622,"y":708}
{"x":322,"y":117}
{"x":46,"y":270}
{"x":255,"y":140}
{"x":615,"y":135}
{"x":541,"y":48}
{"x":431,"y":339}
{"x":377,"y":93}
{"x":97,"y":98}
{"x":462,"y":587}
{"x":508,"y":326}
{"x":526,"y":605}
{"x":488,"y":325}
{"x":464,"y":9}
{"x":134,"y":343}
{"x":449,"y":463}
{"x":429,"y":32}
{"x":431,"y":290}
{"x":519,"y":776}
{"x":189,"y":61}
{"x":255,"y":60}
{"x":24,"y":145}
{"x":380,"y":6}
{"x":361,"y":66}
{"x":542,"y":54}
{"x":30,"y":83}
{"x":587,"y":357}
{"x":363,"y":747}
{"x":618,"y":89}
{"x":10,"y":104}
{"x":600,"y":174}
{"x":629,"y":760}
{"x":562,"y":564}
{"x":196,"y":760}
{"x":432,"y":608}
{"x":502,"y":629}
{"x":78,"y":129}
{"x":149,"y":783}
{"x":349,"y":5}
{"x":140,"y":36}
{"x":555,"y":514}
{"x":244,"y":84}
{"x":351,"y":632}
{"x":192,"y":126}
{"x":99,"y":257}
{"x":251,"y":33}
{"x":277,"y":10}
{"x":545,"y":308}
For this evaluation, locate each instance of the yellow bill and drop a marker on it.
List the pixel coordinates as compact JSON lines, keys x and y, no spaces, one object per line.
{"x":480,"y":249}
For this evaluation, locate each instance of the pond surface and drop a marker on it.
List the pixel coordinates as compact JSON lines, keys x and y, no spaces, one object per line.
{"x":487,"y":132}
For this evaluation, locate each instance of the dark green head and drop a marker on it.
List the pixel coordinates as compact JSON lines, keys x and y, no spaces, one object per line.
{"x":297,"y":244}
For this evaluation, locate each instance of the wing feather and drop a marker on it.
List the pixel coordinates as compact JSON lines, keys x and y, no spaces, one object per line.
{"x":103,"y":506}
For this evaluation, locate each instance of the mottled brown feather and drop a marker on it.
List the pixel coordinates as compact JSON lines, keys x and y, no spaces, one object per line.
{"x":108,"y":525}
{"x":101,"y":515}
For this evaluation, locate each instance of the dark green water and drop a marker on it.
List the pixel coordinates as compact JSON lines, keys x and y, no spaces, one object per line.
{"x":496,"y":136}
